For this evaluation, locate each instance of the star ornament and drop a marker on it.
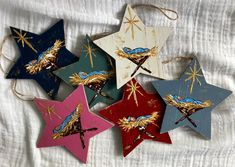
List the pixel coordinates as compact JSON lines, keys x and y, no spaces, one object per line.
{"x":96,"y":71}
{"x":190,"y":100}
{"x":40,"y":56}
{"x":140,"y":120}
{"x":135,"y":48}
{"x":70,"y":123}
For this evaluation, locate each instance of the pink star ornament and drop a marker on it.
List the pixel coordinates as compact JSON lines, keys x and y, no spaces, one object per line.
{"x":70,"y":123}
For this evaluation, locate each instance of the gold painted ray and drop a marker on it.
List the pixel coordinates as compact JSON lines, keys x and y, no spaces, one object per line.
{"x":133,"y":89}
{"x":51,"y":110}
{"x":23,"y":39}
{"x":131,"y":23}
{"x":90,"y":52}
{"x":193,"y":74}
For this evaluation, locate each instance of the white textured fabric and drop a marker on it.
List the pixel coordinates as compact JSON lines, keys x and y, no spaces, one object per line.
{"x":205,"y":28}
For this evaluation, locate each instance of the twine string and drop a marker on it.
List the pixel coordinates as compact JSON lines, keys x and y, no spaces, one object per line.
{"x":160,"y":9}
{"x":19,"y":94}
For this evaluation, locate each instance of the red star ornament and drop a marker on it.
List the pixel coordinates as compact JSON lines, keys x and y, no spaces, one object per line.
{"x":139,"y":116}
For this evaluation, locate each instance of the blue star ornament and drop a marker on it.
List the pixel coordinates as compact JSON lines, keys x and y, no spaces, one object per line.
{"x":190,"y":100}
{"x":40,"y":56}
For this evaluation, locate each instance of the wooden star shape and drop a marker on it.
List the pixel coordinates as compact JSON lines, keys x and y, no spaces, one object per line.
{"x":135,"y":48}
{"x":190,"y":100}
{"x":40,"y":56}
{"x":98,"y":75}
{"x":71,"y":125}
{"x":137,"y":121}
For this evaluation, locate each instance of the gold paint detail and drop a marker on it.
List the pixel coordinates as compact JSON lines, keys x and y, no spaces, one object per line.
{"x":119,"y":39}
{"x":193,"y":75}
{"x":133,"y":89}
{"x":23,"y":39}
{"x":187,"y":106}
{"x":127,"y":125}
{"x":131,"y":22}
{"x":90,"y":52}
{"x":152,"y":103}
{"x":151,"y":53}
{"x":50,"y":110}
{"x":75,"y":78}
{"x":46,"y":60}
{"x":70,"y":125}
{"x":127,"y":147}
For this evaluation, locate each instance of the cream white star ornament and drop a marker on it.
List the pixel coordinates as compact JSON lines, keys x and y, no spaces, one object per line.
{"x":135,"y":48}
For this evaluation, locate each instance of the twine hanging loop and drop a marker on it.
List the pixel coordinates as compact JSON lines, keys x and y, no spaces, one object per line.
{"x":164,"y":11}
{"x":18,"y":94}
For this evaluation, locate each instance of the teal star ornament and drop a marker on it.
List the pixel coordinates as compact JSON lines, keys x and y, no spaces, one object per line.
{"x":190,"y":100}
{"x":96,"y":71}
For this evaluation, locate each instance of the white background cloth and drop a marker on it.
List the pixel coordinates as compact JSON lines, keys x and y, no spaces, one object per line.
{"x":205,"y":28}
